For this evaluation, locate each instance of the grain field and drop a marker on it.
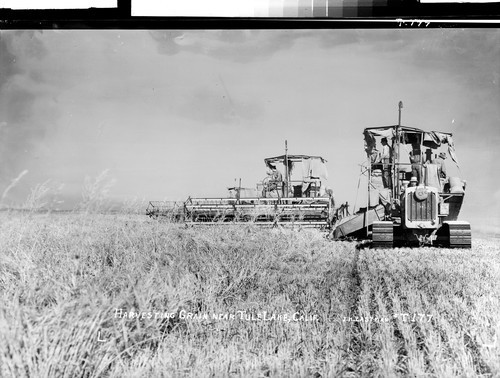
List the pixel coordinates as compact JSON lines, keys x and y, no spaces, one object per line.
{"x":99,"y":295}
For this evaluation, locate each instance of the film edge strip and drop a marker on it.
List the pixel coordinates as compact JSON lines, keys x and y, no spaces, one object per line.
{"x":293,"y":13}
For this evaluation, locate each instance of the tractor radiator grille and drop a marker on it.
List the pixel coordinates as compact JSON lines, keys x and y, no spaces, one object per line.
{"x":422,"y":210}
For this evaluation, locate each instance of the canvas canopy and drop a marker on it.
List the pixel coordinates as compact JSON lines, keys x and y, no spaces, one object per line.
{"x":302,"y":166}
{"x":410,"y":135}
{"x":293,"y":158}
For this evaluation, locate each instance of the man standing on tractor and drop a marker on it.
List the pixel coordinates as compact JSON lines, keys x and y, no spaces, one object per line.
{"x":386,"y":159}
{"x":439,"y":161}
{"x":416,"y":163}
{"x":375,"y":158}
{"x":275,"y":180}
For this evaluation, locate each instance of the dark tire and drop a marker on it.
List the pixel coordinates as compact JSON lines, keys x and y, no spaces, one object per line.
{"x":382,"y":235}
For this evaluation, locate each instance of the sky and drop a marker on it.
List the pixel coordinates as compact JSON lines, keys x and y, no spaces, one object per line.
{"x":171,"y":114}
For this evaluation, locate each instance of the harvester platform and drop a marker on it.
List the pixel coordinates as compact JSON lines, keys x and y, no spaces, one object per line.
{"x":359,"y":224}
{"x":304,"y":212}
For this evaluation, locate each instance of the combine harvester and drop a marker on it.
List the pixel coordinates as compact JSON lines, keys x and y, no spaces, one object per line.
{"x":411,"y":199}
{"x":294,"y":193}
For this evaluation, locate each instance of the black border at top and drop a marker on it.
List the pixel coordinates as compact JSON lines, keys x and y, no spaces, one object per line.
{"x":389,"y":16}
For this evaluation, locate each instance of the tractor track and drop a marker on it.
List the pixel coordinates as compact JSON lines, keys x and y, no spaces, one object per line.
{"x":389,"y":286}
{"x":352,"y":354}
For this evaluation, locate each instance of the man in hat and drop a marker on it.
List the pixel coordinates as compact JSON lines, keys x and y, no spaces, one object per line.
{"x":441,"y":167}
{"x":374,"y":156}
{"x":428,"y":156}
{"x":416,"y":163}
{"x":386,"y":159}
{"x":413,"y":182}
{"x":275,"y":179}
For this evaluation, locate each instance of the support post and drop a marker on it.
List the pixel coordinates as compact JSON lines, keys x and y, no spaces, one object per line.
{"x":285,"y":194}
{"x":369,"y":192}
{"x":395,"y":159}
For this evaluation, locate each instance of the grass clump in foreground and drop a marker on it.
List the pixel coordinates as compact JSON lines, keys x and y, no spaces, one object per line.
{"x":70,"y":283}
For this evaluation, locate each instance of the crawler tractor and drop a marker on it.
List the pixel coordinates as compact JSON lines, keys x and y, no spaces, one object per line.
{"x":294,"y":193}
{"x":398,"y":213}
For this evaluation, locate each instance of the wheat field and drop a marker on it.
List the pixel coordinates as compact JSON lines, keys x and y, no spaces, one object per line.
{"x":120,"y":295}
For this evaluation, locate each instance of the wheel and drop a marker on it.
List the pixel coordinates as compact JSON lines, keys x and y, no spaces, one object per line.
{"x":382,"y":235}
